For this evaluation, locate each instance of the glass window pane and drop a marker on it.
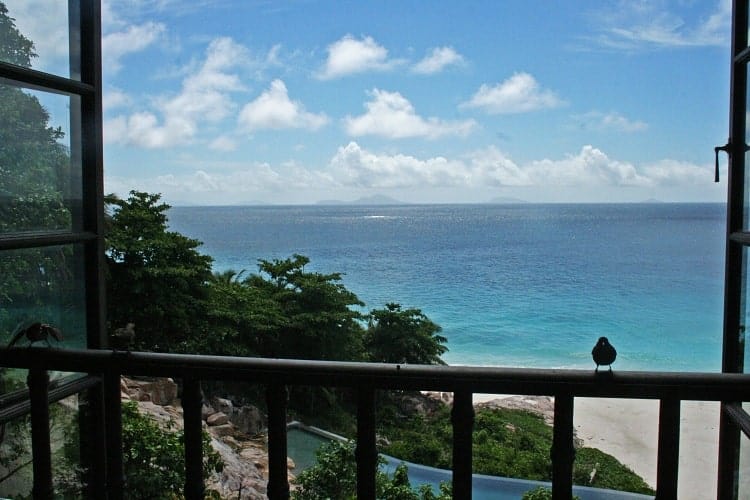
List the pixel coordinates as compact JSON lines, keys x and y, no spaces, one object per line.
{"x":744,"y":315}
{"x":743,"y":475}
{"x":41,"y":35}
{"x":44,"y":285}
{"x":40,"y":161}
{"x":16,"y":478}
{"x":746,"y":204}
{"x":15,"y":459}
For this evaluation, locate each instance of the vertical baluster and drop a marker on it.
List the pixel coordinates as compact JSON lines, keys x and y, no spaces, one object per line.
{"x":191,"y":405}
{"x":38,"y":382}
{"x":562,"y":451}
{"x":113,"y":431}
{"x":462,"y":418}
{"x":278,"y":484}
{"x":366,"y":452}
{"x":669,"y":449}
{"x":92,"y":441}
{"x":729,"y":456}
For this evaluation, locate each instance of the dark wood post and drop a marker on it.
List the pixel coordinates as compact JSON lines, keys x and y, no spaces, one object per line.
{"x":38,"y":382}
{"x":462,"y":418}
{"x":366,"y":452}
{"x":191,"y":406}
{"x":278,"y":484}
{"x":562,"y":451}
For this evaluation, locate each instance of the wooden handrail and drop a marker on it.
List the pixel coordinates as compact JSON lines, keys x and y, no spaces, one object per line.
{"x":277,"y":374}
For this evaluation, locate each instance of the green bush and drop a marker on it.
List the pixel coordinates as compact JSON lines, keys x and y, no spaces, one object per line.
{"x":334,"y":477}
{"x":507,"y":443}
{"x":541,"y":493}
{"x":154,"y":458}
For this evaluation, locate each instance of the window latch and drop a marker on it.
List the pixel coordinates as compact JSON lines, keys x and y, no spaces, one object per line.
{"x":726,"y":148}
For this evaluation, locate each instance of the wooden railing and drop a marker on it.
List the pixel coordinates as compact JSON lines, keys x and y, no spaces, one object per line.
{"x":106,"y":367}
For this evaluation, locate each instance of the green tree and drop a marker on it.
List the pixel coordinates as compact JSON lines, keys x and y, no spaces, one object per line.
{"x":319,"y":322}
{"x":34,"y":180}
{"x":241,"y":318}
{"x":403,"y":336}
{"x":14,"y":47}
{"x":157,"y":278}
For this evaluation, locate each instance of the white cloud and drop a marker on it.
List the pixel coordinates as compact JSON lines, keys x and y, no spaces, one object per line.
{"x":597,"y":120}
{"x":670,"y":172}
{"x":223,"y":143}
{"x":489,"y":167}
{"x":391,"y":115}
{"x":356,"y":167}
{"x":133,"y":38}
{"x":46,"y":24}
{"x":349,"y":56}
{"x":274,"y":110}
{"x":352,"y":168}
{"x":203,"y":98}
{"x":115,"y":98}
{"x":437,"y":60}
{"x":633,"y":26}
{"x":248,"y":178}
{"x":590,"y":167}
{"x":520,"y":93}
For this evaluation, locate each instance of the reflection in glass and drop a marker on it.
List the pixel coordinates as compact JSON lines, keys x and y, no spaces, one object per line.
{"x":43,"y":285}
{"x":16,"y":477}
{"x":41,"y":35}
{"x":40,"y":187}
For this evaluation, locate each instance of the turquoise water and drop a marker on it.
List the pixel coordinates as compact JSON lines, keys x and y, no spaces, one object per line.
{"x":511,"y":285}
{"x":301,"y":447}
{"x":302,"y":444}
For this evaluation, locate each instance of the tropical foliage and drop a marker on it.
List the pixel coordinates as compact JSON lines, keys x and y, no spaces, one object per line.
{"x":157,"y":278}
{"x":508,"y":443}
{"x":334,"y":477}
{"x":154,"y":457}
{"x":160,"y":281}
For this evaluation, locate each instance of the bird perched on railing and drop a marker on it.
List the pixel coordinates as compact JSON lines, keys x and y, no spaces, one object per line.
{"x":603,"y":353}
{"x":122,"y":338}
{"x":36,"y":332}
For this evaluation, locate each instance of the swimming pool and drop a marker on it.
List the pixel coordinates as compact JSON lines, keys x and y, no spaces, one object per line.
{"x":303,"y":441}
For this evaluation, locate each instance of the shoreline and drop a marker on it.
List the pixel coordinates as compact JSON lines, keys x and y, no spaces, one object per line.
{"x":628,"y":430}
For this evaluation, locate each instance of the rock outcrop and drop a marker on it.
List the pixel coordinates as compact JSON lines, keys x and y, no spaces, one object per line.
{"x":236,"y":434}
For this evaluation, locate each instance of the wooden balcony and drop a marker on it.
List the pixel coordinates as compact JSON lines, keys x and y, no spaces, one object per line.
{"x":104,"y":369}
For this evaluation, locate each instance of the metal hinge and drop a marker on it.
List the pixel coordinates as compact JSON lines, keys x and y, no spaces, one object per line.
{"x":726,"y":148}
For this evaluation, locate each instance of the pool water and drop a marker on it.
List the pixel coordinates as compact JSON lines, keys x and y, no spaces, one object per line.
{"x":302,"y":443}
{"x":301,"y":446}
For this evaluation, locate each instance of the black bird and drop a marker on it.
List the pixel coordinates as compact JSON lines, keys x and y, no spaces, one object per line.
{"x":36,"y":332}
{"x":122,"y":338}
{"x":603,"y":353}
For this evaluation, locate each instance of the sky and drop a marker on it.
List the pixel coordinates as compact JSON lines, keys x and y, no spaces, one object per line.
{"x":221,"y":102}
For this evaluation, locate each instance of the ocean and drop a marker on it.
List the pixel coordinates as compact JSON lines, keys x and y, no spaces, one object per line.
{"x":525,"y":285}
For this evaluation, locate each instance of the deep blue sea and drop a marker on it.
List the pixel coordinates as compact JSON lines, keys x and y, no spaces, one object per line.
{"x":511,"y":285}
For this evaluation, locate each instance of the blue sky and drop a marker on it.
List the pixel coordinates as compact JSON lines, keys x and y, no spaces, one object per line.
{"x":232,"y":102}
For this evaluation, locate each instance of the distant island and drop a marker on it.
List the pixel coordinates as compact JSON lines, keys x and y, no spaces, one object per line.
{"x":376,"y":199}
{"x":502,"y":200}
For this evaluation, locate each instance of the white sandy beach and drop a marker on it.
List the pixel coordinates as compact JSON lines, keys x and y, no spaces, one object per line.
{"x":628,"y":430}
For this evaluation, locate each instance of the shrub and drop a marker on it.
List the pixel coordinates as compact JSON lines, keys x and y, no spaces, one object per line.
{"x":154,"y":458}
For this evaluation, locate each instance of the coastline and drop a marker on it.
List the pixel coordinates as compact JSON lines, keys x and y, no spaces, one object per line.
{"x":628,"y":430}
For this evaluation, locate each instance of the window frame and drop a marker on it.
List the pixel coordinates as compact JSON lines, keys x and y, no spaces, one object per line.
{"x":734,"y":420}
{"x":84,"y":27}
